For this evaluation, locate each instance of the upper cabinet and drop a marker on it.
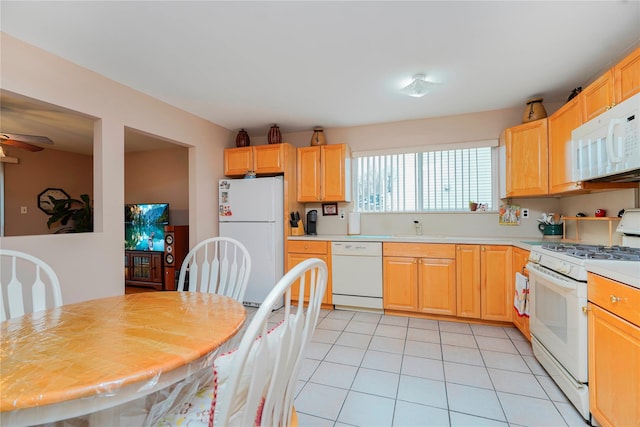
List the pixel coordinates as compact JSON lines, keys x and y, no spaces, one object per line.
{"x":324,"y":173}
{"x":538,"y":158}
{"x":526,"y":159}
{"x":561,"y":124}
{"x":262,"y":159}
{"x":614,"y":86}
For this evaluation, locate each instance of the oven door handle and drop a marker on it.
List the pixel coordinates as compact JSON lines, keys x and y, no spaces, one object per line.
{"x":537,"y":269}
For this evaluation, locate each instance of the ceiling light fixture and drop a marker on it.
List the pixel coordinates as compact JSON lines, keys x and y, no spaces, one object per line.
{"x":419,"y":87}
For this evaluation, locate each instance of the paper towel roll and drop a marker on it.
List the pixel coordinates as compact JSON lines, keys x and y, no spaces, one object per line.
{"x":353,"y":226}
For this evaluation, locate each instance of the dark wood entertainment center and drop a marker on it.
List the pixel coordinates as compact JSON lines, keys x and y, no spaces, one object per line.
{"x":157,"y":270}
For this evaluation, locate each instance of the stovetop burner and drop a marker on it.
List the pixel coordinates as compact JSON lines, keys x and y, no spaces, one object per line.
{"x":621,"y":253}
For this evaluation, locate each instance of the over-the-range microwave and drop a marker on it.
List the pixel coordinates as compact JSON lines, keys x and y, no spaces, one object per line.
{"x":607,"y":148}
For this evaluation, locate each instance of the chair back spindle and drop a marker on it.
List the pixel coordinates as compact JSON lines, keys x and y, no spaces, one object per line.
{"x":26,"y":276}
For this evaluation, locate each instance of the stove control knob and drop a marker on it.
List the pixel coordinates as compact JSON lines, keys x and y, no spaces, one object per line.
{"x":534,"y":257}
{"x":564,"y":267}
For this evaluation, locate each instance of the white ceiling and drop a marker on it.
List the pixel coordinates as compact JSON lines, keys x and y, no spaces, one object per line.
{"x":303,"y":64}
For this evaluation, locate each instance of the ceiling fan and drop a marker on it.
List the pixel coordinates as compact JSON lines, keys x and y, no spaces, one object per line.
{"x":25,"y":142}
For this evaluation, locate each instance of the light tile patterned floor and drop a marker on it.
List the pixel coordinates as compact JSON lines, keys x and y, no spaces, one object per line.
{"x":365,"y":369}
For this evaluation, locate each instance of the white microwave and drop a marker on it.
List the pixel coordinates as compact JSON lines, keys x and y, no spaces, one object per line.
{"x":607,"y":148}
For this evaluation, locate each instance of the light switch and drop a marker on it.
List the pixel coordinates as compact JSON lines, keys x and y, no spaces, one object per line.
{"x":23,"y":209}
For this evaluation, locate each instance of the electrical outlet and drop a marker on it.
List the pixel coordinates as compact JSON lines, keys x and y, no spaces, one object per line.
{"x":341,"y":213}
{"x":23,"y":209}
{"x":525,"y":213}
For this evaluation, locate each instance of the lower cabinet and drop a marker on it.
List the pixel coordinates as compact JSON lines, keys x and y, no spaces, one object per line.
{"x":301,"y":250}
{"x":520,"y":258}
{"x":144,"y":268}
{"x":484,"y":282}
{"x":614,"y":352}
{"x":419,"y":278}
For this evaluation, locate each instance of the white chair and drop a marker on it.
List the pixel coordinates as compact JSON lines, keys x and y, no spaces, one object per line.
{"x":23,"y":275}
{"x":218,"y":265}
{"x":256,"y":384}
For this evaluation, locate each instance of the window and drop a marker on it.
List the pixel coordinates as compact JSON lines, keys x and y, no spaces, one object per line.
{"x":445,"y":180}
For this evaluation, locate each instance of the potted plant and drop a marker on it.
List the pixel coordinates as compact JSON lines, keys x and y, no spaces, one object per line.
{"x":473,"y":206}
{"x":80,"y":212}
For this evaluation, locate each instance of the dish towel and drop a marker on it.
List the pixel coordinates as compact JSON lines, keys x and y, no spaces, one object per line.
{"x":521,"y":297}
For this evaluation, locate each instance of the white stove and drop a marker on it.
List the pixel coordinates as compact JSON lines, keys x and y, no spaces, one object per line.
{"x":569,"y":259}
{"x":558,"y":305}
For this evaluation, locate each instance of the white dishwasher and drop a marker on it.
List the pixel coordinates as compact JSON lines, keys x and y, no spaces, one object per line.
{"x":356,"y":275}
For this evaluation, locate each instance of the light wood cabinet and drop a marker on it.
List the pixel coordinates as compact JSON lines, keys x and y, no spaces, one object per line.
{"x":262,"y":159}
{"x":419,"y":278}
{"x":617,"y":84}
{"x":496,"y":293}
{"x":400,"y":283}
{"x":484,"y":283}
{"x":561,"y":124}
{"x":626,"y":76}
{"x":301,"y":250}
{"x":468,"y":280}
{"x":527,"y":159}
{"x":598,"y":97}
{"x":614,"y":352}
{"x":520,"y":258}
{"x":324,"y":173}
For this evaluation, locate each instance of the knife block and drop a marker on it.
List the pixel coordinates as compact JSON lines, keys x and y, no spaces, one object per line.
{"x":299,"y":230}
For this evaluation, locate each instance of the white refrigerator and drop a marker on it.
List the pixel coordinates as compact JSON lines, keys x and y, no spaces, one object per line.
{"x":252,"y":212}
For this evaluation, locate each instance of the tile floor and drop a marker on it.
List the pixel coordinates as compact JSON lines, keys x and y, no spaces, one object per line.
{"x":365,"y":369}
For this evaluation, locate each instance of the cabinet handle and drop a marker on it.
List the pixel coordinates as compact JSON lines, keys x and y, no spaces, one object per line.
{"x":585,"y":309}
{"x":483,"y":249}
{"x":614,"y":299}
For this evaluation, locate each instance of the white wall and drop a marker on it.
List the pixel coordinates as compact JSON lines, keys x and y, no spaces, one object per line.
{"x":90,"y":265}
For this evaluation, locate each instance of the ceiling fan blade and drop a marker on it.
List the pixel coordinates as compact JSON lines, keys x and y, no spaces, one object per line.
{"x":20,"y":144}
{"x":33,"y":139}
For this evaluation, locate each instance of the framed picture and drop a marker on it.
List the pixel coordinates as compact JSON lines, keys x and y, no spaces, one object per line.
{"x":329,"y":209}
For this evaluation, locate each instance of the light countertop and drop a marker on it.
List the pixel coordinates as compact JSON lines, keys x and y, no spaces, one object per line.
{"x":520,"y":242}
{"x":627,"y":272}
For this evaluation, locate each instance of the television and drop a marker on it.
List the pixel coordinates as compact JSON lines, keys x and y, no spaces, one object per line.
{"x":144,"y":226}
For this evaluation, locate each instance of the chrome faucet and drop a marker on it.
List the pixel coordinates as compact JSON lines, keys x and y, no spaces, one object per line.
{"x":418,"y":226}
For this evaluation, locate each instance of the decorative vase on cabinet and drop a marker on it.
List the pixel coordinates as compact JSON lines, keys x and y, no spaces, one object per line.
{"x":318,"y":137}
{"x":534,"y":111}
{"x":274,"y":137}
{"x":242,"y":139}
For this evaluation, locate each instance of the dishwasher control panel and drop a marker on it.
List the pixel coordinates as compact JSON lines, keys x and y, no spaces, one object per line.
{"x":357,"y":248}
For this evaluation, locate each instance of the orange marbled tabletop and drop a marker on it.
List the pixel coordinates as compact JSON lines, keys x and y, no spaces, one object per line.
{"x":100,"y":346}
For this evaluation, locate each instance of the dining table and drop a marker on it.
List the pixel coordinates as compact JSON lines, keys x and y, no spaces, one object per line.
{"x":86,"y":357}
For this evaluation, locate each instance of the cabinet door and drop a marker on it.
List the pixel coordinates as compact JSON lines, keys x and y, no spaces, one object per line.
{"x":496,"y":293}
{"x":468,"y":281}
{"x":561,"y":124}
{"x":614,"y":369}
{"x":268,"y":158}
{"x":308,"y":163}
{"x":400,"y":283}
{"x":237,"y":161}
{"x":598,"y":97}
{"x":145,"y":267}
{"x":627,"y":76}
{"x":294,"y":259}
{"x":527,"y":166}
{"x":437,"y":286}
{"x":520,"y":258}
{"x":335,"y":179}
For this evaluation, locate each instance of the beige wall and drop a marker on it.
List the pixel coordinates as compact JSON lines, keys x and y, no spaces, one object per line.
{"x":36,"y":172}
{"x":159,"y":176}
{"x":90,"y":265}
